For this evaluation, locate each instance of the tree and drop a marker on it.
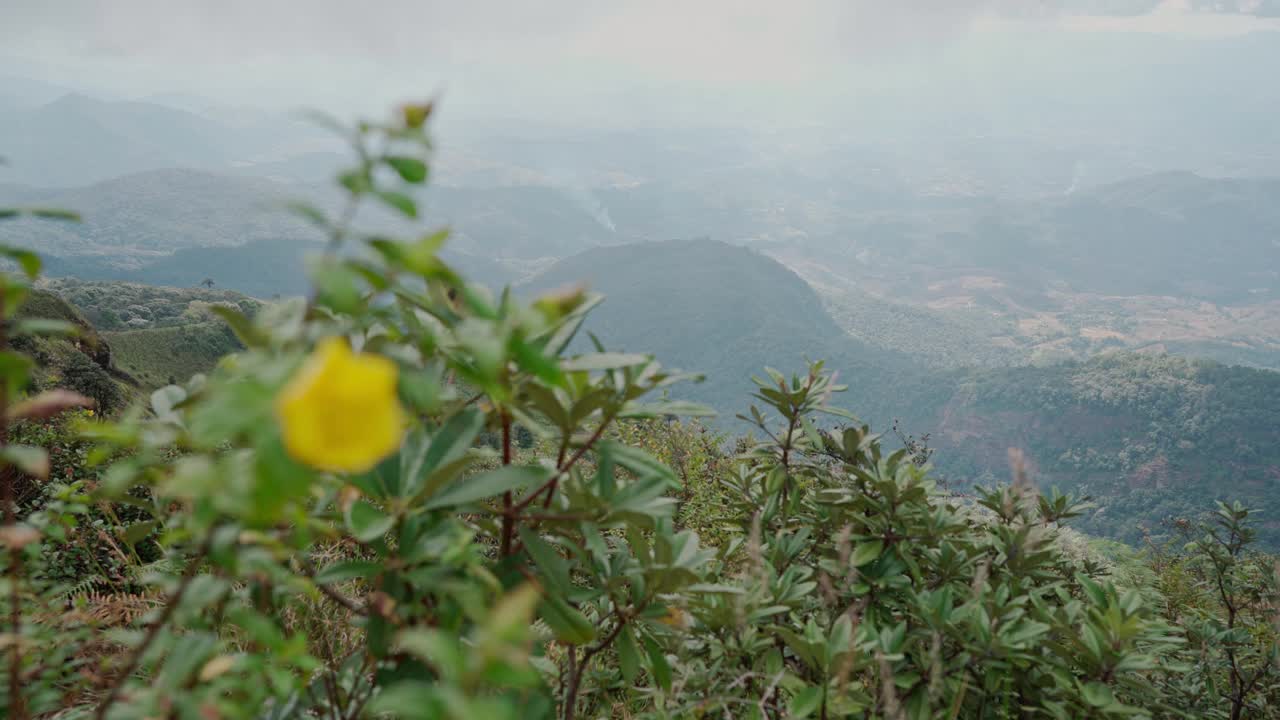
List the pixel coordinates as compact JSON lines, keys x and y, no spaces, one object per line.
{"x":1233,"y":619}
{"x":207,"y":283}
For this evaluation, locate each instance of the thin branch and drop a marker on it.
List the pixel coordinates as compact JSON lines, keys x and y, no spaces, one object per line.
{"x":153,"y":632}
{"x":328,"y":591}
{"x":508,"y":517}
{"x":15,"y":550}
{"x":550,"y":485}
{"x":575,"y":677}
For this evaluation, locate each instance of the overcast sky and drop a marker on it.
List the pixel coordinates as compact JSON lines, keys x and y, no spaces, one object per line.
{"x":576,"y":60}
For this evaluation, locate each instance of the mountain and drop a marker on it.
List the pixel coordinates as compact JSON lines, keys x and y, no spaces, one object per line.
{"x":1163,"y":234}
{"x":261,"y":268}
{"x":20,"y":92}
{"x":76,"y":139}
{"x":179,"y":226}
{"x":139,"y":216}
{"x":726,"y":311}
{"x":526,"y":222}
{"x":1167,"y":261}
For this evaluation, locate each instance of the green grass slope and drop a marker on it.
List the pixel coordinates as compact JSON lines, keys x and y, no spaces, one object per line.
{"x":166,"y":355}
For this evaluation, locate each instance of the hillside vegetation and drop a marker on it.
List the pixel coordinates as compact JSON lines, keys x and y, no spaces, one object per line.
{"x":1154,"y":438}
{"x":82,"y":362}
{"x":139,"y":336}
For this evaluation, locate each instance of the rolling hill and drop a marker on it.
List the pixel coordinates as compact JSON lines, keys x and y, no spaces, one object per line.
{"x":725,"y":311}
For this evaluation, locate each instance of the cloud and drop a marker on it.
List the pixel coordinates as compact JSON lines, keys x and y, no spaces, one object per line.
{"x":583,"y":60}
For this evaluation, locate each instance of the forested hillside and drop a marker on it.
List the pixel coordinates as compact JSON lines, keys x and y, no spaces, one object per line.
{"x":1153,"y":438}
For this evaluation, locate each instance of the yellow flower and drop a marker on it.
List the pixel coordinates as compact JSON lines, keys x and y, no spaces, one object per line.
{"x":677,"y":618}
{"x":340,"y":412}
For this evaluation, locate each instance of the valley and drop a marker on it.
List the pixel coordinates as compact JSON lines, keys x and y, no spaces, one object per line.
{"x":1107,"y":328}
{"x":833,"y":359}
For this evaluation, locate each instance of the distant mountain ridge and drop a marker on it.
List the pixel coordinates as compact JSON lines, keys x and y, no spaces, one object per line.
{"x":156,"y":212}
{"x":76,"y":139}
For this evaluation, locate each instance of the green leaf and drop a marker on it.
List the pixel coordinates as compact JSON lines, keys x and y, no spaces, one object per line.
{"x":628,"y":655}
{"x":337,"y":287}
{"x":866,"y":552}
{"x":805,"y":702}
{"x":422,"y":388}
{"x":357,"y":182}
{"x":46,"y":327}
{"x":33,"y":461}
{"x":27,"y":260}
{"x":137,"y":532}
{"x":713,"y":589}
{"x":1097,"y":694}
{"x":569,"y":625}
{"x":308,"y":212}
{"x":658,"y":664}
{"x":165,"y":401}
{"x":678,"y":408}
{"x":495,"y":482}
{"x":14,"y":367}
{"x":603,"y":361}
{"x":240,"y":325}
{"x":407,"y":700}
{"x":554,"y":571}
{"x":412,"y":170}
{"x":366,"y":522}
{"x":449,"y":444}
{"x":441,"y":650}
{"x":399,"y":201}
{"x":348,"y":570}
{"x":637,"y":461}
{"x":55,"y":214}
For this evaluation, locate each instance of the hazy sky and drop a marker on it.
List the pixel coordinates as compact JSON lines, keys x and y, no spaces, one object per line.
{"x":575,"y":60}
